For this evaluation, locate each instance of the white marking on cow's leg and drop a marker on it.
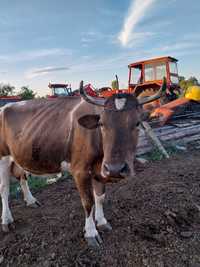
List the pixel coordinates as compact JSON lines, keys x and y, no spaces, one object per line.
{"x":99,"y":214}
{"x":4,"y":190}
{"x":84,"y":186}
{"x":28,"y":197}
{"x":90,"y":228}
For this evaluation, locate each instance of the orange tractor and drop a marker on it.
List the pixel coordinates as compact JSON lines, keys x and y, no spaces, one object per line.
{"x":145,"y":78}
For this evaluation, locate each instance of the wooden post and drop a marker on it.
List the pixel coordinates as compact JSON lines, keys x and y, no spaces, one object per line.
{"x":154,"y":138}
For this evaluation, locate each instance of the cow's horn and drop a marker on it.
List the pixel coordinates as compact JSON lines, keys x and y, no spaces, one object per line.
{"x":156,"y":96}
{"x":92,"y":100}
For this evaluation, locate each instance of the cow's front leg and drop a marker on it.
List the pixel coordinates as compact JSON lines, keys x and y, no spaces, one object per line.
{"x":99,"y":195}
{"x":4,"y":191}
{"x":84,"y":185}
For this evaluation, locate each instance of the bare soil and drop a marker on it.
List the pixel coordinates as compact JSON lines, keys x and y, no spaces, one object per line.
{"x":155,"y":219}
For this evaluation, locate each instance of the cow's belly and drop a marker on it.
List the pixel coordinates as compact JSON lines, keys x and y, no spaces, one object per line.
{"x":39,"y":157}
{"x":40,"y":160}
{"x":41,"y":168}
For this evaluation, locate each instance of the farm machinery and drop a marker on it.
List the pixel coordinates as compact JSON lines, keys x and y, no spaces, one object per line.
{"x":182,"y":114}
{"x":145,"y":78}
{"x":9,"y":99}
{"x":58,"y":89}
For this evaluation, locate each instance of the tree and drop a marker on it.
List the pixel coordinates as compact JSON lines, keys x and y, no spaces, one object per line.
{"x":26,"y":93}
{"x":193,"y":80}
{"x":184,"y":84}
{"x":114,"y":85}
{"x":181,"y":78}
{"x":6,"y":89}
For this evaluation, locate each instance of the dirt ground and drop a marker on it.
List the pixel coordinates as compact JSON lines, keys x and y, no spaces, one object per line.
{"x":155,"y":220}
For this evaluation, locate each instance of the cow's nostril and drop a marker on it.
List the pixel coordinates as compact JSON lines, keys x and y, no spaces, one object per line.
{"x":106,"y":169}
{"x":116,"y":170}
{"x":124,"y":169}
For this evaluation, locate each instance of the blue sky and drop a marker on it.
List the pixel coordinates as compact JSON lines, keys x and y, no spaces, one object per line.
{"x":46,"y":41}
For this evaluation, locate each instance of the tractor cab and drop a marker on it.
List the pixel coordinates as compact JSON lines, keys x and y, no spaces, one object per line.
{"x":58,"y":90}
{"x":148,"y":74}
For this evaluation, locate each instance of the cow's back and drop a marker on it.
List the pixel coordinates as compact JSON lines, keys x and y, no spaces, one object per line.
{"x":35,"y":133}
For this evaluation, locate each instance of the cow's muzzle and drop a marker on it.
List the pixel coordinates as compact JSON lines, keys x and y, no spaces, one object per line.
{"x":117,"y":170}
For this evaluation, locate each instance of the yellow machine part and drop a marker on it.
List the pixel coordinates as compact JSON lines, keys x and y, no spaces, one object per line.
{"x":193,"y":93}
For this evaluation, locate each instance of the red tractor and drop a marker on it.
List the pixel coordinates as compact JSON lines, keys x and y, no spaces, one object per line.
{"x":60,"y":89}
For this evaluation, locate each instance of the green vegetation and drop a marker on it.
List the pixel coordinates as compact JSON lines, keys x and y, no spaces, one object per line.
{"x":184,"y":84}
{"x":6,"y":89}
{"x":155,"y":154}
{"x":25,"y":92}
{"x":34,"y":183}
{"x":114,"y":85}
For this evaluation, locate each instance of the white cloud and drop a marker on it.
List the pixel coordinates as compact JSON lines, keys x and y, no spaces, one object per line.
{"x":34,"y":54}
{"x":43,"y":71}
{"x":136,"y":12}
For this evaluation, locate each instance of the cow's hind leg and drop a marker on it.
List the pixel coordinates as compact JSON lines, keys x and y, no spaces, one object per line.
{"x":4,"y":191}
{"x":84,"y":186}
{"x":20,"y":174}
{"x":99,"y":195}
{"x":28,"y":197}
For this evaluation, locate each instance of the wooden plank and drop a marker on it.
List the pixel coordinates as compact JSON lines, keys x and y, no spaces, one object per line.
{"x":187,"y":131}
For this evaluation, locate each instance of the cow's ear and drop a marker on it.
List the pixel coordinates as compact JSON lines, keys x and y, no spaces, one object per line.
{"x":89,"y":121}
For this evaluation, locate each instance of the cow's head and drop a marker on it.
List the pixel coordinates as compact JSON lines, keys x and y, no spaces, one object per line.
{"x":118,"y":123}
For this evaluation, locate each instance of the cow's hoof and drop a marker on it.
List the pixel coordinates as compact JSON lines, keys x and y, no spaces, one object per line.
{"x":5,"y":228}
{"x":34,"y":205}
{"x":94,"y":242}
{"x":105,"y":227}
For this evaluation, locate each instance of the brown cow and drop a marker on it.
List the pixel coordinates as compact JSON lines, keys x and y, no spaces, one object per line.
{"x":95,"y":139}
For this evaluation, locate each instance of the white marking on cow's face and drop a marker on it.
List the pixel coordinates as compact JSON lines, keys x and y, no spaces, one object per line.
{"x":90,"y":228}
{"x":120,"y":103}
{"x":99,"y":214}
